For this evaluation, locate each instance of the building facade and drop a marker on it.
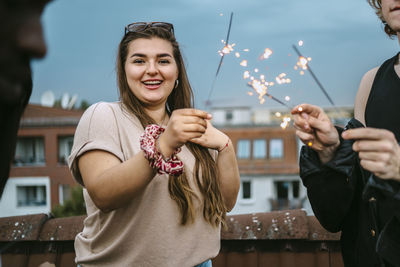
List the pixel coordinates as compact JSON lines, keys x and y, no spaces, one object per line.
{"x":267,"y":156}
{"x":39,"y":177}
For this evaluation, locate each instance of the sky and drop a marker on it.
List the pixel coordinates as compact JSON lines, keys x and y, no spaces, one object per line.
{"x":343,"y":38}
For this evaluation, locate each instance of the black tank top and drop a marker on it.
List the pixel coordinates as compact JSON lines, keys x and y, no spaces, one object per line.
{"x":383,"y":105}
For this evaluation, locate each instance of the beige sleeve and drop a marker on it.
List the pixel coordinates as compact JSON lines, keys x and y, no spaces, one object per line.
{"x":97,"y":130}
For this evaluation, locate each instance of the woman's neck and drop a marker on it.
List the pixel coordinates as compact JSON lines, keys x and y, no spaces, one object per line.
{"x":159,"y":115}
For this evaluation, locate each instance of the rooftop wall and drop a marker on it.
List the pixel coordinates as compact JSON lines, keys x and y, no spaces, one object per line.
{"x":275,"y":239}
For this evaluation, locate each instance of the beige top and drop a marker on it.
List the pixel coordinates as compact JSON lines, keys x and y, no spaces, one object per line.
{"x":147,"y":231}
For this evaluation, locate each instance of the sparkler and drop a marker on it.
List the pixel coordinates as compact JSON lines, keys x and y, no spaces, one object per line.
{"x":227,"y":49}
{"x":271,"y":97}
{"x":304,"y":61}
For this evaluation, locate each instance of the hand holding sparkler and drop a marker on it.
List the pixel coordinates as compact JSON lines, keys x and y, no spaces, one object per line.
{"x":183,"y":125}
{"x":378,"y":151}
{"x":212,"y":138}
{"x":315,"y":129}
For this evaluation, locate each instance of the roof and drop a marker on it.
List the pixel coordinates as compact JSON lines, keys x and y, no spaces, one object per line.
{"x":41,"y":116}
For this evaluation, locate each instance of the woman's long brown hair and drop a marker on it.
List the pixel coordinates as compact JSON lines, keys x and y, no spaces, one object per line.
{"x":205,"y":170}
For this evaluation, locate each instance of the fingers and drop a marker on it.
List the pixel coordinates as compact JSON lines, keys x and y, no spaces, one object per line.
{"x":301,"y":122}
{"x":306,"y":138}
{"x":307,"y":108}
{"x":194,"y":120}
{"x":372,"y":145}
{"x":376,"y":167}
{"x":194,"y":112}
{"x":368,"y":133}
{"x":321,"y":125}
{"x":374,"y":156}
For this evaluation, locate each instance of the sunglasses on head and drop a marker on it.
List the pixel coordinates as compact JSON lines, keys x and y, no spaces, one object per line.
{"x":141,"y":26}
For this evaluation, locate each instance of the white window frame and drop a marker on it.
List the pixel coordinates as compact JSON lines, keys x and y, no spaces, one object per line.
{"x":247,"y":201}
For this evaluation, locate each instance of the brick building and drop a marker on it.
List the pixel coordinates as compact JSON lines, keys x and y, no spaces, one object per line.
{"x":267,"y":158}
{"x":39,"y":176}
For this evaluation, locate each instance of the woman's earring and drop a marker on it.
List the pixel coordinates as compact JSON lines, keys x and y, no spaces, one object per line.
{"x":176,"y":83}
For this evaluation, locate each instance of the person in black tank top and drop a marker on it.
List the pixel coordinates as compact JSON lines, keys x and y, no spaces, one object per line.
{"x":352,"y":175}
{"x":383,"y":106}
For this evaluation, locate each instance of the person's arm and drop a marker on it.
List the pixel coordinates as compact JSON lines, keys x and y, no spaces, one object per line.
{"x":362,"y":95}
{"x":331,"y":186}
{"x":378,"y":149}
{"x":110,"y":182}
{"x":229,"y":178}
{"x":326,"y":166}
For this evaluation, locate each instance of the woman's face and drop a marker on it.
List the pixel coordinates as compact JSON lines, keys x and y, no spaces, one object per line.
{"x":391,"y":13}
{"x":151,"y":70}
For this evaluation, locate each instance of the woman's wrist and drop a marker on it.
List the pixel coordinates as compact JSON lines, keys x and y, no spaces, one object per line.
{"x":163,"y":148}
{"x":224,"y":146}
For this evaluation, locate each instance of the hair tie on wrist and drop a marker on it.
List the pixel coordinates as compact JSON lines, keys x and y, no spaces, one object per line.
{"x":225,"y":146}
{"x":148,"y":143}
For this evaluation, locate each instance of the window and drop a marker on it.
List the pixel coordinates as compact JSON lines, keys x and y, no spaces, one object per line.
{"x":243,"y":149}
{"x":275,"y":148}
{"x":29,"y":151}
{"x":64,"y":193}
{"x":31,"y":196}
{"x":287,"y":195}
{"x":246,"y":190}
{"x":64,"y":148}
{"x":259,"y":149}
{"x":228,"y":115}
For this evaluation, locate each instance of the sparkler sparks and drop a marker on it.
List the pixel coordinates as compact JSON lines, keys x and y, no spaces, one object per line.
{"x":243,"y":63}
{"x":227,"y":49}
{"x":267,"y":53}
{"x":280,"y":79}
{"x":246,"y":74}
{"x":285,"y":122}
{"x":301,"y":43}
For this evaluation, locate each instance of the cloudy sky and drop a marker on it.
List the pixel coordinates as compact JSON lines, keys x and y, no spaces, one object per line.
{"x":344,"y":39}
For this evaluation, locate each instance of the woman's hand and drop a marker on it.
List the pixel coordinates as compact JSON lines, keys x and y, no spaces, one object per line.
{"x":183,"y":126}
{"x":315,"y":129}
{"x":378,"y":151}
{"x":212,"y":138}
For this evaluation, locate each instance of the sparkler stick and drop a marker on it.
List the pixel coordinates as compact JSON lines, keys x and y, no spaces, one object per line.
{"x":275,"y":99}
{"x":315,"y":78}
{"x":220,"y":62}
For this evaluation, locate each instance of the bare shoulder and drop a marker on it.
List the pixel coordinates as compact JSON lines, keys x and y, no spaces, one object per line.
{"x":363,"y":93}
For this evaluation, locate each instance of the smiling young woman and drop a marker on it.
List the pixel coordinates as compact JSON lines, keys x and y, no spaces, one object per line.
{"x":158,"y":177}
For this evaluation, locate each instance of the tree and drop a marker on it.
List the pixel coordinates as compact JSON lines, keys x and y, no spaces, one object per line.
{"x":72,"y":207}
{"x":84,"y":105}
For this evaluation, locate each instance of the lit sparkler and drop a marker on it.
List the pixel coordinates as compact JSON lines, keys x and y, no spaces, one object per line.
{"x":220,"y":62}
{"x":313,"y":75}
